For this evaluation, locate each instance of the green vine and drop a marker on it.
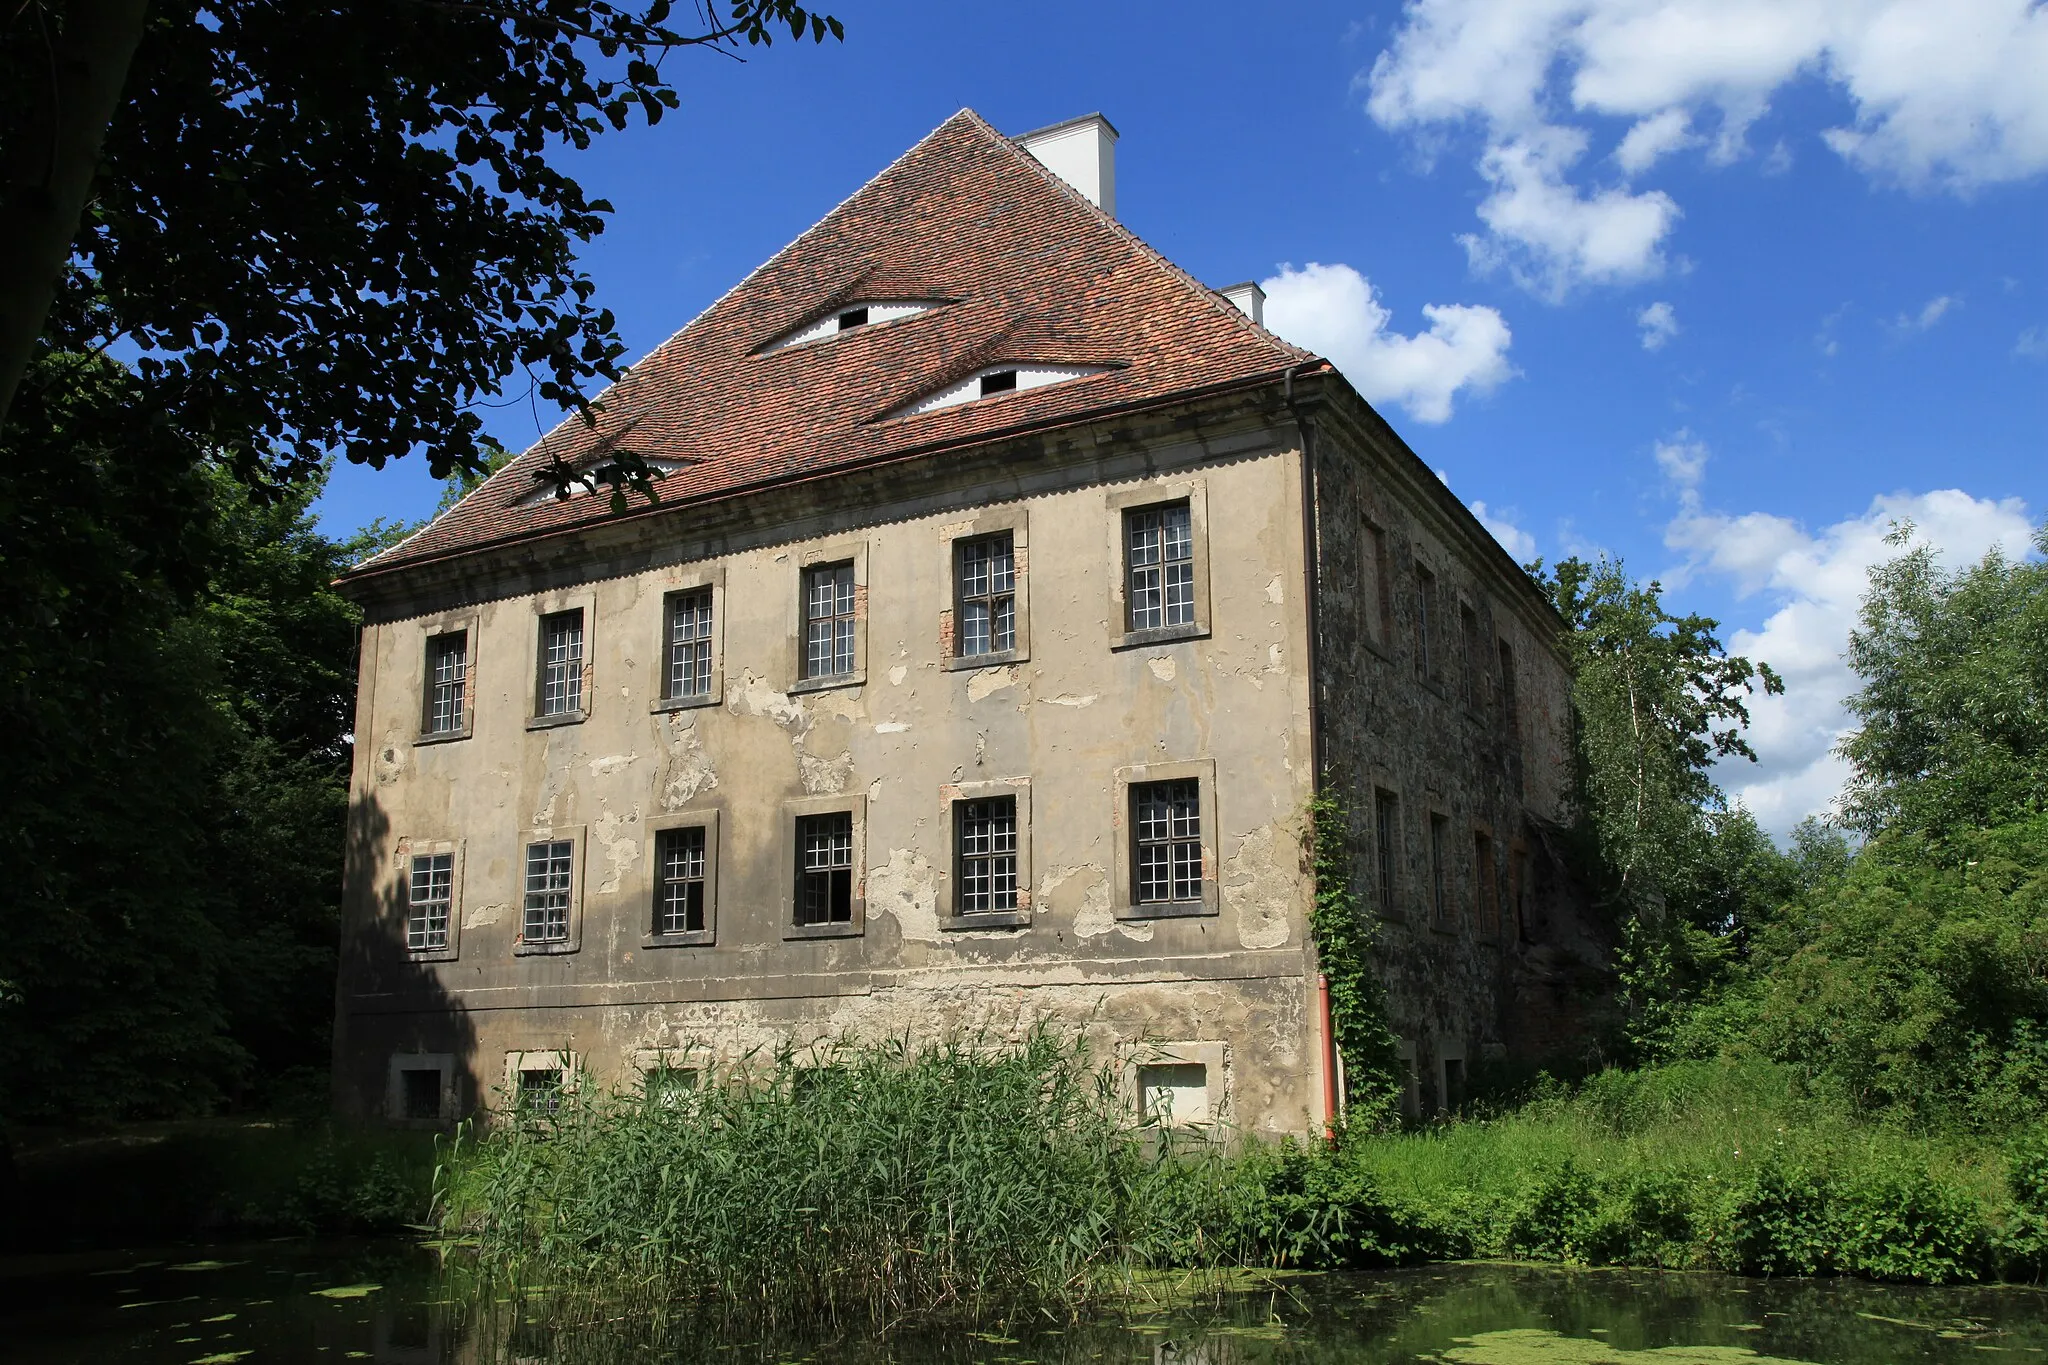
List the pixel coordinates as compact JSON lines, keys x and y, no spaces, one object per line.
{"x":1345,"y":940}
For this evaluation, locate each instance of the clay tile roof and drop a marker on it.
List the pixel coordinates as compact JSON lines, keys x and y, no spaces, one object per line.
{"x":1029,"y":270}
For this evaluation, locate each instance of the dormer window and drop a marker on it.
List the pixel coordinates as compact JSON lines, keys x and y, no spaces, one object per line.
{"x":996,"y":380}
{"x":846,"y":319}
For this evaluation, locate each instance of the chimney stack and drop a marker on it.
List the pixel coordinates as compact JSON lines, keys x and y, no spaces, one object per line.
{"x":1249,"y":298}
{"x":1082,"y":152}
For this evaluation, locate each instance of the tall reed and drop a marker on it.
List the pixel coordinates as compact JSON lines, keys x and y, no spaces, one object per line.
{"x":857,"y":1180}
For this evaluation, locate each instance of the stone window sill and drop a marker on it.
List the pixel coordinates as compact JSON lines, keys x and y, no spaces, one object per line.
{"x":445,"y":737}
{"x":430,"y":955}
{"x":796,"y":931}
{"x":858,"y":679}
{"x":987,"y":919}
{"x":1167,"y":910}
{"x":964,"y":663}
{"x":695,"y":938}
{"x":560,"y":948}
{"x":1161,"y":635}
{"x":683,"y":703}
{"x":550,"y":722}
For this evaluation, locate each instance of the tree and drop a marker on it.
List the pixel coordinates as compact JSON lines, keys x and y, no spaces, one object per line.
{"x":1954,"y":702}
{"x":326,"y":227}
{"x":1656,"y":701}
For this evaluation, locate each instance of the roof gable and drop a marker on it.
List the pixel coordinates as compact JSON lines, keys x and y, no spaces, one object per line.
{"x":1021,"y":269}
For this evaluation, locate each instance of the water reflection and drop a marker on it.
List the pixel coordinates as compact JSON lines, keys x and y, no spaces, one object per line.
{"x":385,"y":1303}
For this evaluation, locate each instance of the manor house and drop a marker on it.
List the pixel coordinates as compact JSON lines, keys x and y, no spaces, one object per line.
{"x":1008,"y":595}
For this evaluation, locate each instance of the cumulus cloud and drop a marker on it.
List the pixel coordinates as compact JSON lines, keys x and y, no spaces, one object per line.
{"x":1943,"y":94}
{"x":1930,"y":313}
{"x":2032,"y":344}
{"x":1517,"y":542}
{"x":1812,"y":583}
{"x":1659,"y":323}
{"x":1334,"y":311}
{"x":1549,"y":235}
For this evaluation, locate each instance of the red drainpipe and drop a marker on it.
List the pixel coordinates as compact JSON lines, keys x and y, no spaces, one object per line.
{"x":1329,"y":1057}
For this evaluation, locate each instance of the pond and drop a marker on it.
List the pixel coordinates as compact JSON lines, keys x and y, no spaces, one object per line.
{"x":382,"y":1301}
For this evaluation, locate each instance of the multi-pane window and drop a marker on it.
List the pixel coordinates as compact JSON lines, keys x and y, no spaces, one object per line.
{"x":828,"y":621}
{"x":1425,"y":594}
{"x":1485,"y":893}
{"x":680,"y":862}
{"x":1160,"y":563}
{"x":1475,"y":662}
{"x":824,"y":868}
{"x":548,"y":871}
{"x":1510,"y":707}
{"x":987,"y":834}
{"x":1386,"y":830}
{"x":1166,"y":829}
{"x":447,"y":682}
{"x":689,"y":645}
{"x":432,"y":887}
{"x":987,"y":607}
{"x":1439,"y":904}
{"x":561,"y":663}
{"x":1378,"y":599}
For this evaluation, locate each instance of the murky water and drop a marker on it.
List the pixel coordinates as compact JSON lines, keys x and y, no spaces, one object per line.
{"x":291,"y":1302}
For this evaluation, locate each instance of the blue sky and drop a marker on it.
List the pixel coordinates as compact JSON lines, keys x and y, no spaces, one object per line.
{"x":1720,"y":286}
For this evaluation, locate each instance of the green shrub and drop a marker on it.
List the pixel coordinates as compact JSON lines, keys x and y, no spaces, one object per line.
{"x":1317,"y":1208}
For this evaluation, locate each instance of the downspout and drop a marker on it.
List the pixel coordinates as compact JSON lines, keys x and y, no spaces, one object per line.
{"x":1312,"y":609}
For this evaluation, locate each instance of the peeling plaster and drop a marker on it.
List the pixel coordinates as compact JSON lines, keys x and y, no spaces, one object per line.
{"x":908,"y":888}
{"x":1274,"y":593}
{"x":892,"y":727}
{"x":688,"y":771}
{"x":1163,"y":667}
{"x":612,"y":763}
{"x":1086,"y":900}
{"x":1257,"y":887}
{"x":897,"y":675}
{"x":619,"y":837}
{"x":390,"y":763}
{"x":990,"y":680}
{"x":1070,"y":699}
{"x":484,"y":916}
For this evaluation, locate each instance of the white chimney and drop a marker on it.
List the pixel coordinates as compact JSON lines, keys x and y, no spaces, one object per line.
{"x":1082,"y":152}
{"x":1249,"y":298}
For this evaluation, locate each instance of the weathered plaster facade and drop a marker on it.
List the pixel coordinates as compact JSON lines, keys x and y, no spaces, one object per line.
{"x":1293,"y":664}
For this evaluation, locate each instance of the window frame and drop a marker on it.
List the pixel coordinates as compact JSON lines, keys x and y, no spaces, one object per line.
{"x":402,"y":854}
{"x":855,"y":804}
{"x":394,"y":1088}
{"x":951,"y":798}
{"x":466,"y":626}
{"x":578,"y":874}
{"x":1428,"y":655}
{"x":1376,"y":558}
{"x":1471,"y":650}
{"x":1217,"y":1081}
{"x":1437,"y":872}
{"x":1120,"y":506}
{"x":548,"y":605}
{"x":953,"y":538}
{"x":823,"y":556}
{"x":1386,"y":847}
{"x":1485,"y":888}
{"x":682,"y":584}
{"x":1127,"y":906}
{"x":651,"y":935}
{"x":564,"y":1060}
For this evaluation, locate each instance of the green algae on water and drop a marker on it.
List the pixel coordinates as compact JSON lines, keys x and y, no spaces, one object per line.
{"x":1535,"y":1346}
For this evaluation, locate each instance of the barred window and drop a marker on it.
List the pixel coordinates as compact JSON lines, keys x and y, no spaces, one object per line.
{"x":447,"y":682}
{"x":689,"y":644}
{"x":987,"y":592}
{"x":433,"y":886}
{"x":1386,"y":827}
{"x":1439,"y":902}
{"x":987,"y":861}
{"x":561,"y":663}
{"x":1160,"y":562}
{"x":1166,"y":828}
{"x":824,"y":868}
{"x":828,"y":621}
{"x":679,"y":856}
{"x":548,"y":873}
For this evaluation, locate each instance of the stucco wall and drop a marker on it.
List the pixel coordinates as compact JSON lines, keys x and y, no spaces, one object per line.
{"x":1062,"y":721}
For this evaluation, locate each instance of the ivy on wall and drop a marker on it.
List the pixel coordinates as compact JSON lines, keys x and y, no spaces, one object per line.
{"x":1345,"y":940}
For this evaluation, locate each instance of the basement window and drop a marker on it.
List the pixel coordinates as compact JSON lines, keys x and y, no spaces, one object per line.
{"x":420,"y":1092}
{"x":1173,"y":1094}
{"x":540,"y":1089}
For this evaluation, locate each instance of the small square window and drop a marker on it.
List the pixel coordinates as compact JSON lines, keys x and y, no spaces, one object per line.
{"x":987,"y":856}
{"x":682,"y":864}
{"x":549,"y":880}
{"x":1159,"y":562}
{"x":824,"y":868}
{"x":688,"y":675}
{"x":1002,"y":381}
{"x":985,"y":596}
{"x":852,"y":318}
{"x":447,"y":691}
{"x":420,"y":1092}
{"x":1166,"y":836}
{"x":669,"y":1087}
{"x":540,"y":1089}
{"x":429,"y":890}
{"x":828,"y":621}
{"x":1173,"y":1094}
{"x":561,"y":664}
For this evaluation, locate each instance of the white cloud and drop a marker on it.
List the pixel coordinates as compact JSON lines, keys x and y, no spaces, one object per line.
{"x":1814,"y":582}
{"x":1334,"y":311}
{"x":1517,"y":542}
{"x":1659,"y":323}
{"x":2032,"y":344}
{"x":1550,"y":236}
{"x":1942,"y":94}
{"x":1930,"y":313}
